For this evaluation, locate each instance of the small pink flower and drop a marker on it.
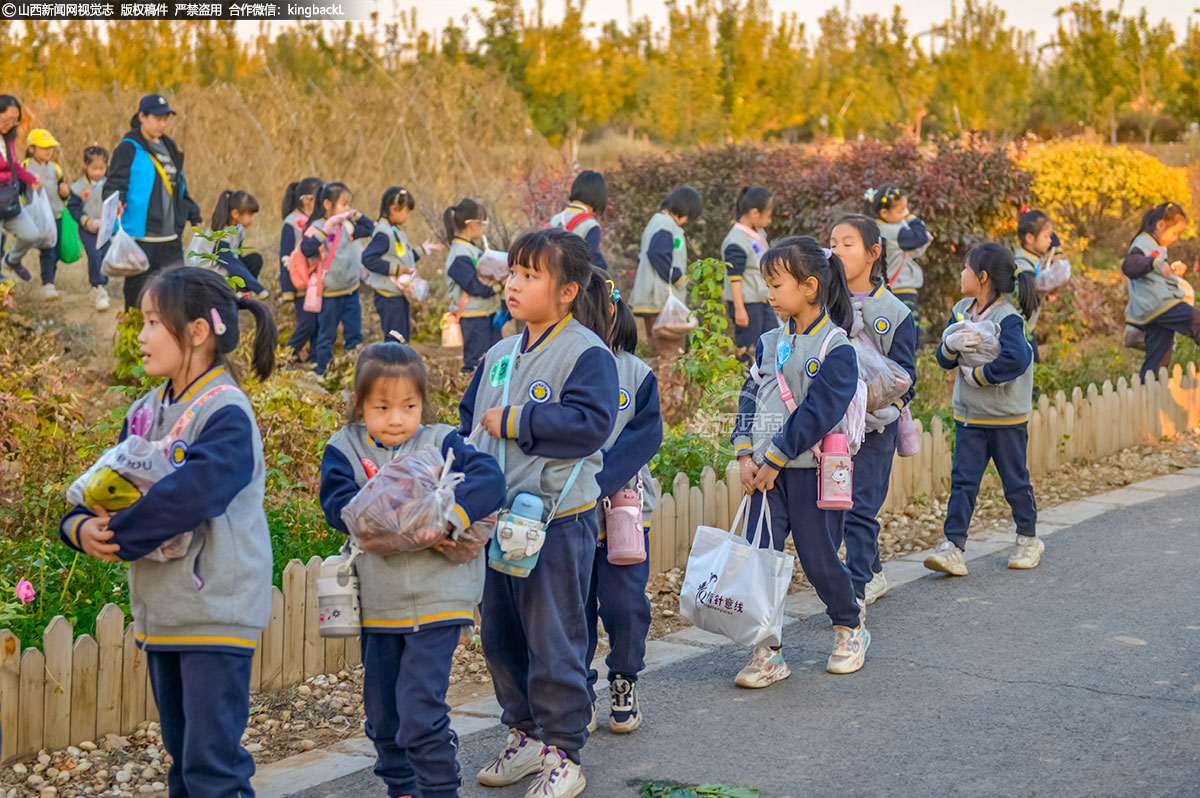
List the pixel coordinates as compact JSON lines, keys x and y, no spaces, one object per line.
{"x":25,"y":591}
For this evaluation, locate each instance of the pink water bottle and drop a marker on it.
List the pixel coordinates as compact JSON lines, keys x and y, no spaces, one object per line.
{"x":835,"y":471}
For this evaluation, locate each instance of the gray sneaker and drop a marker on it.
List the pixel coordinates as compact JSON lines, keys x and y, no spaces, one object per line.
{"x":948,"y":559}
{"x":1027,"y":554}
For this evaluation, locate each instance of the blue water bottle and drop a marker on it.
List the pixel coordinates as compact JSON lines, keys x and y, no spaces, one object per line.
{"x":519,"y":524}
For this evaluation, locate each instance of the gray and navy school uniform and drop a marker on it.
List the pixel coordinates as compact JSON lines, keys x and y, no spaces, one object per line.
{"x":992,"y":404}
{"x":586,"y":228}
{"x":477,"y":301}
{"x":742,"y":253}
{"x":783,"y":440}
{"x":906,"y":242}
{"x":413,"y":607}
{"x":305,"y":334}
{"x":1157,"y":304}
{"x":50,"y":173}
{"x":199,"y":617}
{"x":618,"y":592}
{"x":888,"y":324}
{"x":245,"y":266}
{"x":1032,"y":263}
{"x":387,"y":256}
{"x":339,"y":294}
{"x":85,"y":203}
{"x":662,"y":265}
{"x":562,"y":405}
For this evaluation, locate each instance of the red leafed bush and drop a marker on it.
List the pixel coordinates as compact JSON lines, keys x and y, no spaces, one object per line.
{"x":967,"y":190}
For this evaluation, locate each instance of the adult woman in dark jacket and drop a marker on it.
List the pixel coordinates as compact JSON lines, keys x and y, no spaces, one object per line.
{"x":147,"y":172}
{"x":19,"y":225}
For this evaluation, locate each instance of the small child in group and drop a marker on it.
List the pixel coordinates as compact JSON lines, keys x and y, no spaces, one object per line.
{"x":745,"y":291}
{"x":235,"y":211}
{"x":618,"y":592}
{"x":547,"y":401}
{"x":662,"y":259}
{"x":340,"y":304}
{"x":992,"y":405}
{"x":887,"y":324}
{"x":197,"y":617}
{"x":589,"y":197}
{"x":299,"y":199}
{"x":1037,"y":243}
{"x":38,"y":161}
{"x":471,"y":299}
{"x":1160,"y":300}
{"x":907,"y":239}
{"x":414,"y":603}
{"x":388,"y":256}
{"x":86,"y":205}
{"x":810,"y":355}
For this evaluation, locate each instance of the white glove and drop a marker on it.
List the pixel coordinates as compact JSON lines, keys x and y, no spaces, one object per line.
{"x":882,"y":418}
{"x":857,"y":326}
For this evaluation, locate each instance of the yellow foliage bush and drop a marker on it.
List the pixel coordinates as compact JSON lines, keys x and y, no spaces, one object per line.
{"x":1097,"y":193}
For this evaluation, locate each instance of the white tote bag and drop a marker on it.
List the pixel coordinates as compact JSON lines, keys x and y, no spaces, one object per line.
{"x":734,"y":588}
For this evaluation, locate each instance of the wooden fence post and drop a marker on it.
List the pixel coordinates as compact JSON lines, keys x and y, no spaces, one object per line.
{"x":314,"y":648}
{"x":733,"y":487}
{"x":85,"y":661}
{"x":293,"y":623}
{"x":30,"y":727}
{"x":10,"y":692}
{"x":110,"y":640}
{"x":133,"y":684}
{"x":681,"y":490}
{"x":56,"y":644}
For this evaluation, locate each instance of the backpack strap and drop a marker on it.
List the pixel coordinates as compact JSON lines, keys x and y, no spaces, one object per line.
{"x":186,"y":418}
{"x":900,"y":268}
{"x":578,"y":219}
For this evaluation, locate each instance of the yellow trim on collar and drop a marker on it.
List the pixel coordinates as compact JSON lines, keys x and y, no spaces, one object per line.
{"x":557,"y":329}
{"x":200,"y":383}
{"x":878,"y":290}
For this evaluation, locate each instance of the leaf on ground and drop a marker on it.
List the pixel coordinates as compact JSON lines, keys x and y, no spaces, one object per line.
{"x":727,"y":791}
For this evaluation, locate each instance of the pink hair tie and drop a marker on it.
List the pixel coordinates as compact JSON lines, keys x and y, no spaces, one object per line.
{"x":828,"y":253}
{"x":217,"y":325}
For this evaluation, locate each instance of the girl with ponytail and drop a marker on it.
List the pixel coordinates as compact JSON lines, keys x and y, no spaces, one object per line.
{"x":745,"y":291}
{"x":197,"y":617}
{"x":299,"y":199}
{"x":805,"y":373}
{"x":471,"y":299}
{"x":235,"y":211}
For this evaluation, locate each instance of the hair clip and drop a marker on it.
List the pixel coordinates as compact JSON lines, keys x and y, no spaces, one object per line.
{"x":1024,"y":209}
{"x":869,"y":195}
{"x":612,"y":291}
{"x":828,"y":253}
{"x":218,"y":326}
{"x":397,"y":336}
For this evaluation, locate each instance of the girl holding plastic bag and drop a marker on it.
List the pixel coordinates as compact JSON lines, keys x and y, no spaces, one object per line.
{"x":414,"y":603}
{"x":390,"y":262}
{"x":992,"y":404}
{"x":1038,"y":270}
{"x":547,"y":400}
{"x":887,"y":327}
{"x":663,"y":260}
{"x":619,"y":578}
{"x":806,"y":363}
{"x":197,"y":617}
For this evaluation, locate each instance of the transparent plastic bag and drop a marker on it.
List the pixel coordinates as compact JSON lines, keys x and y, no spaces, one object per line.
{"x":675,"y":320}
{"x":1055,"y":275}
{"x":885,"y":379}
{"x":39,"y":210}
{"x":471,"y":542}
{"x":124,"y":257}
{"x":406,"y":506}
{"x":976,"y":342}
{"x":120,"y":477}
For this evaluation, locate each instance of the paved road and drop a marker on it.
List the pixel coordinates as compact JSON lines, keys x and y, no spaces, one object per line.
{"x":1081,"y":678}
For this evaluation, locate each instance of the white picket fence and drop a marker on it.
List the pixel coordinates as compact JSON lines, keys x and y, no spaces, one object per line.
{"x":79,"y":689}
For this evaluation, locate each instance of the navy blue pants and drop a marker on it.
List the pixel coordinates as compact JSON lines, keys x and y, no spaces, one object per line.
{"x":393,"y":314}
{"x":618,"y":597}
{"x":817,"y":535}
{"x":973,"y":448}
{"x":872,"y":470}
{"x":535,"y":638}
{"x":909,"y":298}
{"x":479,"y":335}
{"x":247,"y":268}
{"x":405,"y":678}
{"x":203,"y":702}
{"x":345,"y":310}
{"x":160,"y":255}
{"x":305,"y":334}
{"x":1181,"y":318}
{"x":48,"y":258}
{"x":95,"y":257}
{"x":762,"y":319}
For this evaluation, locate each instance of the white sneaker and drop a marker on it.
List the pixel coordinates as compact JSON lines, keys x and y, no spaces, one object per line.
{"x":559,"y":777}
{"x":948,"y":559}
{"x":1028,"y":553}
{"x":625,"y":714}
{"x":522,"y":756}
{"x":593,"y":724}
{"x":766,"y":667}
{"x":849,"y":649}
{"x":100,"y":295}
{"x":876,"y":587}
{"x":49,"y":291}
{"x":862,"y":610}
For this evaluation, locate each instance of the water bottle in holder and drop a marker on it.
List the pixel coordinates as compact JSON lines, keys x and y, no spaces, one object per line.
{"x":519,"y":536}
{"x":340,"y":610}
{"x":835,"y":473}
{"x":623,"y":526}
